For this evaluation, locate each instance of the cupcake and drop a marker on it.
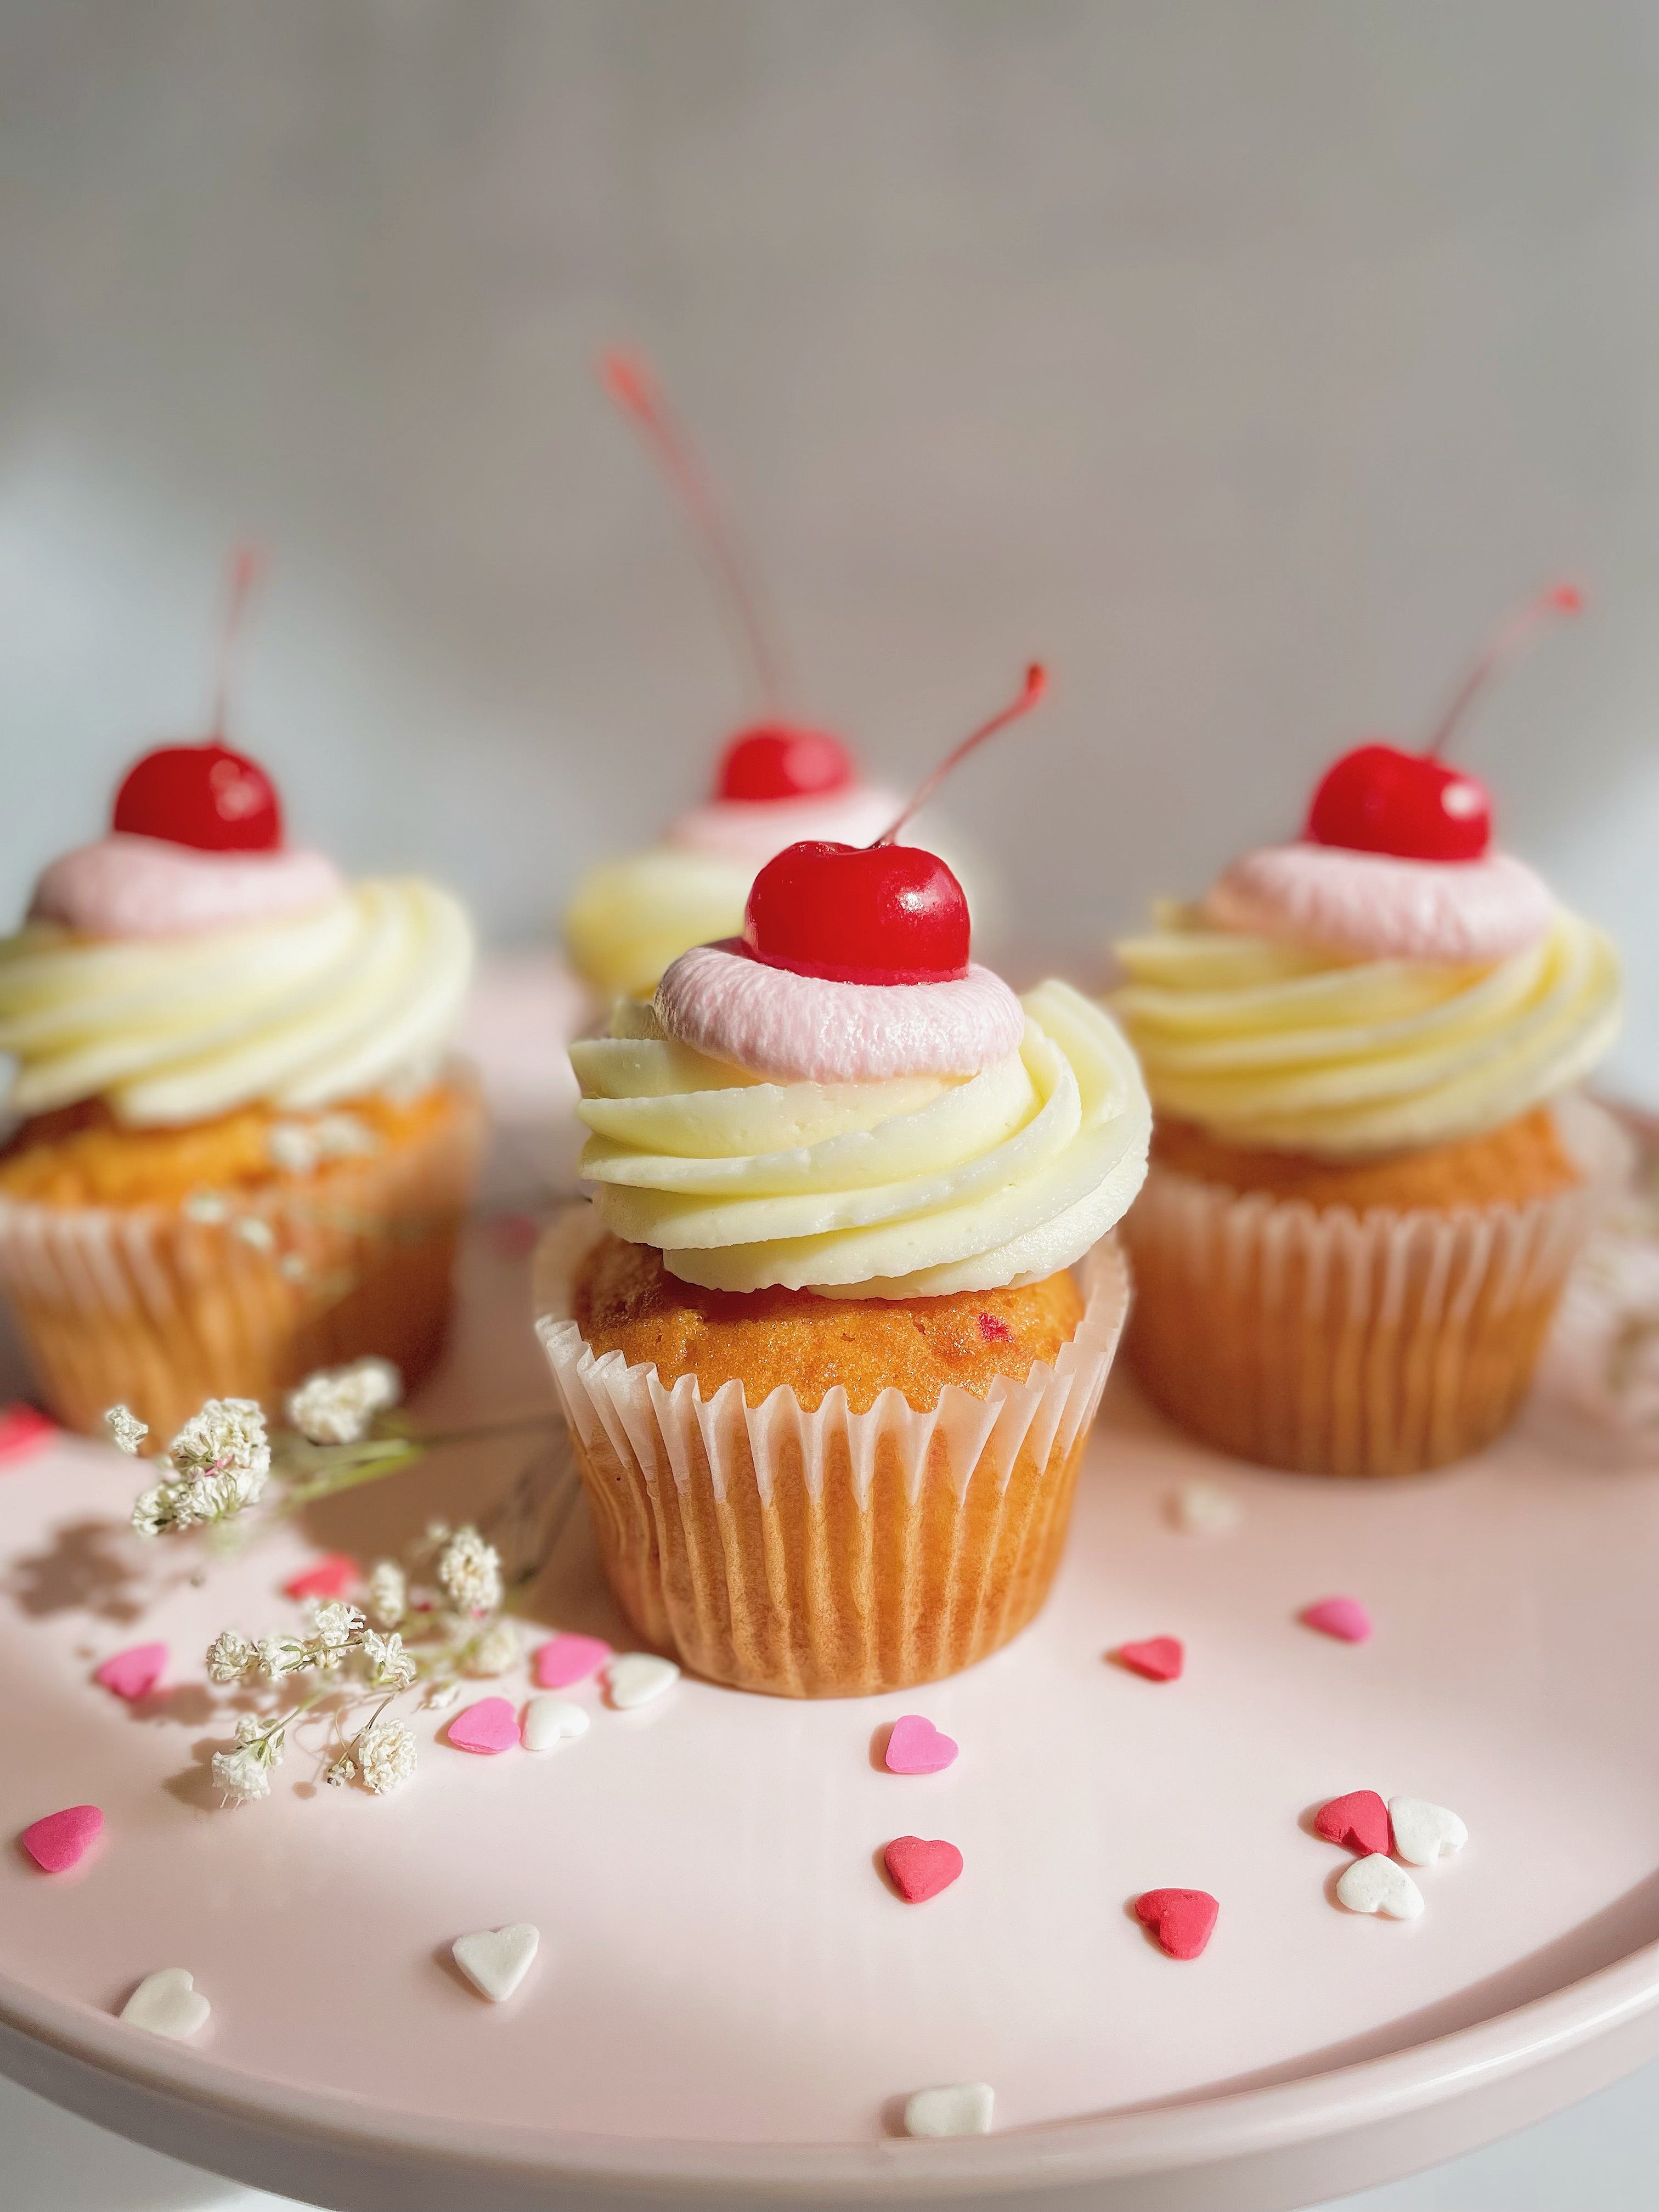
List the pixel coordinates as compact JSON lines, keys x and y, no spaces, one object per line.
{"x":778,"y":783}
{"x":1369,"y":1174}
{"x":831,"y":1338}
{"x":239,"y":1152}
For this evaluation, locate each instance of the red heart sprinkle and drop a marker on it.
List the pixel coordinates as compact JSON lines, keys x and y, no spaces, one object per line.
{"x":918,"y":1868}
{"x":568,"y":1658}
{"x":59,"y":1840}
{"x":1160,"y":1658}
{"x":915,"y":1746}
{"x":489,"y":1725}
{"x":994,"y":1330}
{"x":23,"y":1431}
{"x":1182,"y":1919}
{"x":333,"y":1577}
{"x":1344,"y":1618}
{"x":135,"y":1673}
{"x":1360,"y":1821}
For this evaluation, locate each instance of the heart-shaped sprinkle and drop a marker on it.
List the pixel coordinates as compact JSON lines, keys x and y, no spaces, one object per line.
{"x":634,"y":1678}
{"x":1205,"y":1509}
{"x":60,"y":1841}
{"x":918,"y":1868}
{"x":915,"y":1746}
{"x":1424,"y":1832}
{"x":333,"y":1577}
{"x":1160,"y":1658}
{"x":548,"y":1720}
{"x":563,"y":1660}
{"x":964,"y":2108}
{"x":491,"y":1725}
{"x":1184,"y":1920}
{"x":134,"y":1673}
{"x":1378,"y":1885}
{"x":167,"y":2002}
{"x":24,"y":1431}
{"x":1345,"y":1618}
{"x":497,"y":1960}
{"x":1360,"y":1821}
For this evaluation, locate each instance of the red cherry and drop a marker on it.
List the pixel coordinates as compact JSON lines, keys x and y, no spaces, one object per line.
{"x":876,"y":913}
{"x":776,"y":761}
{"x":1380,"y":800}
{"x":206,"y":796}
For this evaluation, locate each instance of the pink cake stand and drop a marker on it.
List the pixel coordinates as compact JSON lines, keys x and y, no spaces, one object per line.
{"x":729,"y":2006}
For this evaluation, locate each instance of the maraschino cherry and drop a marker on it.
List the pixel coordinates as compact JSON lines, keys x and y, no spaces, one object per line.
{"x":206,"y":795}
{"x":884,"y":913}
{"x":1380,"y":798}
{"x":775,"y":759}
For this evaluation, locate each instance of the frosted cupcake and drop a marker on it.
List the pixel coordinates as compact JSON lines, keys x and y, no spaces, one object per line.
{"x":830,"y":1340}
{"x":1369,"y":1177}
{"x":239,"y":1153}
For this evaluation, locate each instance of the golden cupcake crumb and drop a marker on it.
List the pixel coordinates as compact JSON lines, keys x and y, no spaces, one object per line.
{"x":1523,"y":1160}
{"x":626,"y":1301}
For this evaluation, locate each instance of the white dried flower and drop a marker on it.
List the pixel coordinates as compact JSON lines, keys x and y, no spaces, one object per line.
{"x":227,"y":1436}
{"x":126,"y":1430}
{"x":280,"y":1655}
{"x":342,"y":1770}
{"x":385,"y":1754}
{"x":496,"y":1650}
{"x":152,"y":1510}
{"x":231,"y":1658}
{"x":470,"y":1572}
{"x":388,"y":1594}
{"x":244,"y":1773}
{"x":338,"y":1404}
{"x":335,"y":1623}
{"x":251,"y":1728}
{"x":441,"y":1696}
{"x":291,"y":1146}
{"x":390,"y":1667}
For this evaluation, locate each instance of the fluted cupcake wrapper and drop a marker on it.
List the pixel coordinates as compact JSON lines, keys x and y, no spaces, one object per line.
{"x":1335,"y":1344}
{"x":241,"y":1294}
{"x":826,"y":1552}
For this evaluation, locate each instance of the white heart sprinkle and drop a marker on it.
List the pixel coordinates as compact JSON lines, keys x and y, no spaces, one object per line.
{"x":634,"y":1678}
{"x":1378,"y":1885}
{"x":1205,"y":1509}
{"x":962,"y":2109}
{"x":167,"y":2002}
{"x":1425,"y":1833}
{"x":497,"y":1960}
{"x":548,"y":1720}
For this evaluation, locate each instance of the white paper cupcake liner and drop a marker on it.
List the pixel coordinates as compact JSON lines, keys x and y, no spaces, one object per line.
{"x":825,"y":1551}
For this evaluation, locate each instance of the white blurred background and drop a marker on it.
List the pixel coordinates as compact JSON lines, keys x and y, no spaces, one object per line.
{"x":1243,"y":362}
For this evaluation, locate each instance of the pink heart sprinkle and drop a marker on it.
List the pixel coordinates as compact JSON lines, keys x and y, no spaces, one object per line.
{"x":1361,"y":1819}
{"x":919,"y":1867}
{"x":1341,"y":1617}
{"x":1160,"y":1658}
{"x":133,"y":1673}
{"x":333,"y":1575}
{"x":1182,"y":1920}
{"x":23,"y":1431}
{"x":489,"y":1725}
{"x":915,"y":1746}
{"x":563,"y":1660}
{"x":59,"y":1840}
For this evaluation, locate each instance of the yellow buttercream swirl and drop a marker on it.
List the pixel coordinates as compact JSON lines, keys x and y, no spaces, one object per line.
{"x":911,"y":1187}
{"x":1266,"y":1043}
{"x":353,"y":995}
{"x":631,"y":919}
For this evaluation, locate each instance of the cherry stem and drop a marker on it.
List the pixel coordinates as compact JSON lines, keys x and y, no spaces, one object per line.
{"x":631,"y":383}
{"x":1512,"y":637}
{"x":243,"y":571}
{"x":1036,"y":682}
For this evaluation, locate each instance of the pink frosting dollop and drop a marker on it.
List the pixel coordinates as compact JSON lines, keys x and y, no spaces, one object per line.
{"x":753,"y":830}
{"x":722,"y":1001}
{"x":1380,"y":907}
{"x":126,"y":886}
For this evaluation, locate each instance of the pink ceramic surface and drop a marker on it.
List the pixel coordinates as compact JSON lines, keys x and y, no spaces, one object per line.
{"x":728,"y":1993}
